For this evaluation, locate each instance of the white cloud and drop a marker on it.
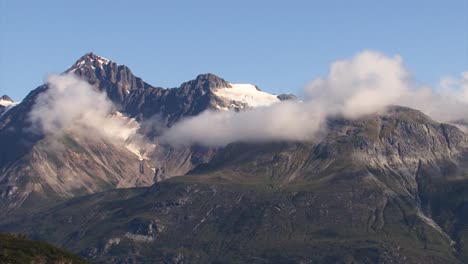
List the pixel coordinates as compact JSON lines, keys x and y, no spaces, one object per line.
{"x":456,"y":87}
{"x":72,"y":104}
{"x":364,"y":84}
{"x":282,"y":121}
{"x":371,"y":81}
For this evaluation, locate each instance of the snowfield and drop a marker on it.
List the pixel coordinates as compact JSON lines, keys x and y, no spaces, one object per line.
{"x":248,"y":94}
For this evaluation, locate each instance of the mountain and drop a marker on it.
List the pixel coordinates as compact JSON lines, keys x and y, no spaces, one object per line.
{"x":389,"y":187}
{"x":17,"y":249}
{"x":386,"y":188}
{"x":31,"y":169}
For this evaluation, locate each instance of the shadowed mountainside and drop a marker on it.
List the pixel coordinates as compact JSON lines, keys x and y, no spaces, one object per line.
{"x":370,"y":191}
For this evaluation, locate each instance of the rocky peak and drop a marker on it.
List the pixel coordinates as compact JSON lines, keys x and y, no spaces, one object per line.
{"x":6,"y":98}
{"x":205,"y":82}
{"x":405,"y":113}
{"x":395,"y":136}
{"x":107,"y":76}
{"x":90,"y":60}
{"x":6,"y":103}
{"x":94,"y":68}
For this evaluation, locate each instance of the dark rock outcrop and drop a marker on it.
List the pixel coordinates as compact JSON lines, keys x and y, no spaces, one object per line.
{"x":285,"y":97}
{"x":6,"y":98}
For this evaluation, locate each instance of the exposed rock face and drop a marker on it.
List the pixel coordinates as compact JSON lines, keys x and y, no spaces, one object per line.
{"x":191,"y":98}
{"x":136,"y":98}
{"x":285,"y":97}
{"x":61,"y":168}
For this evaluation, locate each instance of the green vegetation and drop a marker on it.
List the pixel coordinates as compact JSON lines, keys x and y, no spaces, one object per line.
{"x":18,"y":249}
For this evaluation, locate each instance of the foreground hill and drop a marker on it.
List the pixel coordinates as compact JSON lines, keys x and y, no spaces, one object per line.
{"x":17,"y":249}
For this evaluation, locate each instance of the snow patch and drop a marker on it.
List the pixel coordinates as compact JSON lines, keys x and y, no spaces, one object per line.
{"x":246,"y":94}
{"x":135,"y":150}
{"x":96,"y":60}
{"x":8,"y":105}
{"x":102,"y":60}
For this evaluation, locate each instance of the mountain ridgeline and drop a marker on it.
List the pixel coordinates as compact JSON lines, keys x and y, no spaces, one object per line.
{"x":389,"y":187}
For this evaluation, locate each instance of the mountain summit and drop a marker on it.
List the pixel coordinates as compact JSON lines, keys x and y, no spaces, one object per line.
{"x":90,"y":60}
{"x":6,"y":103}
{"x":207,"y":81}
{"x":6,"y":98}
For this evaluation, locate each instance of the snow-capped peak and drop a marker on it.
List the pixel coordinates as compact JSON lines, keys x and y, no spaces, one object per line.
{"x":6,"y":104}
{"x":90,"y":60}
{"x":102,"y":60}
{"x":244,"y":95}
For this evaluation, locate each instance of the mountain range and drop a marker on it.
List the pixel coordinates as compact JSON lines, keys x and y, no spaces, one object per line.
{"x":388,"y":187}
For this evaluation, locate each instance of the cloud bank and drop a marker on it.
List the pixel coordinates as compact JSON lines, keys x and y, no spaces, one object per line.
{"x":370,"y":81}
{"x":71,"y":104}
{"x":355,"y":87}
{"x":282,"y":121}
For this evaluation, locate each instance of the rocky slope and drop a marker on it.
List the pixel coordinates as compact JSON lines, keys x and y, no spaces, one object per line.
{"x":61,"y":168}
{"x":384,"y":188}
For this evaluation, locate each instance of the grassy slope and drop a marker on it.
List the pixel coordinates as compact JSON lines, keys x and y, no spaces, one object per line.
{"x":242,"y":224}
{"x":17,"y":249}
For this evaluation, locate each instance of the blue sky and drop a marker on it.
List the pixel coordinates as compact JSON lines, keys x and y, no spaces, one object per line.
{"x":278,"y":45}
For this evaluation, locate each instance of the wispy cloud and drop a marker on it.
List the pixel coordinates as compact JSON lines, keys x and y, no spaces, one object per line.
{"x":281,"y":121}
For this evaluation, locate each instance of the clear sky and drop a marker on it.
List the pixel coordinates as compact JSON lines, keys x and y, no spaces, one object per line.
{"x":278,"y":45}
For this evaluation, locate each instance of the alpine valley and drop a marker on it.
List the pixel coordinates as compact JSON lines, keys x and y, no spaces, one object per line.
{"x":390,"y":187}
